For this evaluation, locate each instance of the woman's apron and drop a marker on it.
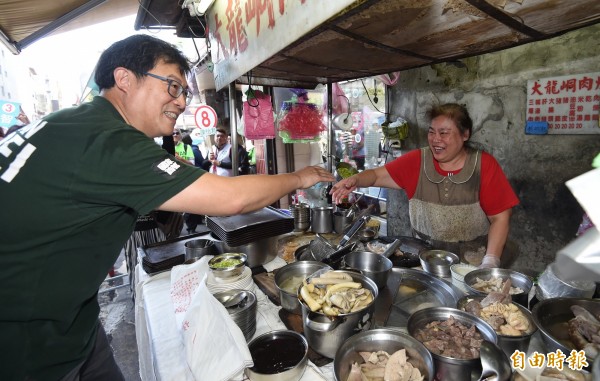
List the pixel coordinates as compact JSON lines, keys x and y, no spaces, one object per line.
{"x":445,"y":210}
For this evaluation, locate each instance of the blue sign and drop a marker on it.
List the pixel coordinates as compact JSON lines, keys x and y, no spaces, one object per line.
{"x":8,"y":113}
{"x":536,"y":128}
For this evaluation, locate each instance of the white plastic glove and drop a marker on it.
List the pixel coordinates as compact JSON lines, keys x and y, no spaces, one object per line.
{"x":490,"y":261}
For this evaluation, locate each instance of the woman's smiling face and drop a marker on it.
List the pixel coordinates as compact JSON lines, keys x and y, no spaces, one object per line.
{"x":445,"y":139}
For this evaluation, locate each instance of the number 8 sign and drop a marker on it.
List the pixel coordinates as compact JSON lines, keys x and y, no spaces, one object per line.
{"x":205,"y":117}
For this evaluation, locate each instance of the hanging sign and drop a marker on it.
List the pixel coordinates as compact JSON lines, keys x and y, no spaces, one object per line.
{"x":564,"y":105}
{"x":206,"y":118}
{"x":245,"y":33}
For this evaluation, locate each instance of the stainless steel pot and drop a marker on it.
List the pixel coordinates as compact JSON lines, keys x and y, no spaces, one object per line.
{"x":302,"y":269}
{"x":341,"y":222}
{"x":326,"y":334}
{"x":258,"y":252}
{"x":197,"y":248}
{"x":374,"y":266}
{"x":321,"y":219}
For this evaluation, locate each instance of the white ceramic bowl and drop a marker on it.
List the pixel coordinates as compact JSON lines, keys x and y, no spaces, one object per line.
{"x":459,"y":270}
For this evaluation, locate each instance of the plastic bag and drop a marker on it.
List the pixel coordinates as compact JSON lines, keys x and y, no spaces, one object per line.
{"x":258,"y":116}
{"x":210,"y":337}
{"x":300,"y":122}
{"x":397,"y":130}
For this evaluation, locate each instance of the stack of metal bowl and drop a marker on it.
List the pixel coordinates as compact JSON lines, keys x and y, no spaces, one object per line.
{"x":241,"y":306}
{"x":301,"y":214}
{"x":438,"y":262}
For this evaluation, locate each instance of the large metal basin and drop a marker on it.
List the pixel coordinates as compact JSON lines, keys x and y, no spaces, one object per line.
{"x":517,"y":280}
{"x":447,"y":368}
{"x":382,"y":339}
{"x":552,"y":316}
{"x":410,"y":290}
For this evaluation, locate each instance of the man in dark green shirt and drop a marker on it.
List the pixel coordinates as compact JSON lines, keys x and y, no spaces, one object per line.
{"x":73,"y":185}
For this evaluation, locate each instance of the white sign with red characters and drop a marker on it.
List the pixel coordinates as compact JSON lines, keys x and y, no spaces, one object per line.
{"x":205,"y":117}
{"x":564,"y":105}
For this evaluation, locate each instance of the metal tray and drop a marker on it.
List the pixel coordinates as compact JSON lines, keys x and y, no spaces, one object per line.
{"x":162,"y":256}
{"x":249,"y":227}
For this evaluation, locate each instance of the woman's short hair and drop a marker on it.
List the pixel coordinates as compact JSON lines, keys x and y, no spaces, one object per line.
{"x":456,"y":113}
{"x":139,"y":53}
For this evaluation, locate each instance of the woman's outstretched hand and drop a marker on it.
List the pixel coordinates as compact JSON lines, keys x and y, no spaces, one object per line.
{"x":343,"y":188}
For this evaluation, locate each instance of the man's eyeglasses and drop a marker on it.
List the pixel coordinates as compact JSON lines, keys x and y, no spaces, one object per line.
{"x":176,"y":133}
{"x":174,"y":88}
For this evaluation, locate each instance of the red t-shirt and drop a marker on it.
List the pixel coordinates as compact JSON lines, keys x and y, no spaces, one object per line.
{"x":495,"y":193}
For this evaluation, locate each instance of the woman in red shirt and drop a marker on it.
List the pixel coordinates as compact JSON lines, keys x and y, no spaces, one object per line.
{"x":459,"y":197}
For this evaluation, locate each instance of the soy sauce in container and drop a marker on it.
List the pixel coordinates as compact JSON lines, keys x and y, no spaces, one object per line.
{"x":276,"y":353}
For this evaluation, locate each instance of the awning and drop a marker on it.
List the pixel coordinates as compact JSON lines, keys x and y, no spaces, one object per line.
{"x":24,"y":22}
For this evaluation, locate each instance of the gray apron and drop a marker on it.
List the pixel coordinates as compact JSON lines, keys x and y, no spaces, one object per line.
{"x":445,"y":210}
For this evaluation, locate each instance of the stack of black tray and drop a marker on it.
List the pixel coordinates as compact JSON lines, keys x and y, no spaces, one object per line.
{"x":250,"y":227}
{"x":162,"y":256}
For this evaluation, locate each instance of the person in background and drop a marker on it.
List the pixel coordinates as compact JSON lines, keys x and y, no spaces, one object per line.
{"x":459,"y":197}
{"x":219,"y":157}
{"x":243,"y":157}
{"x":87,"y":173}
{"x":251,"y":157}
{"x":193,"y":220}
{"x":183,"y":151}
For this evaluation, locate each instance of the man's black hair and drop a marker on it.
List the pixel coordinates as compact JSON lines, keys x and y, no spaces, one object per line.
{"x":139,"y":53}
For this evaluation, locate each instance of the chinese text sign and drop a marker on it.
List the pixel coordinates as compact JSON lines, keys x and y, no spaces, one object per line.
{"x":568,"y":104}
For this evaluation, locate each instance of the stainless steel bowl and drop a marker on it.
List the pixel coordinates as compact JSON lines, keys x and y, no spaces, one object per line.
{"x":508,"y":344}
{"x":448,"y":368}
{"x":517,"y":279}
{"x":216,"y":263}
{"x":381,"y":339}
{"x":438,"y":262}
{"x":552,"y":316}
{"x":278,"y":356}
{"x":291,"y":273}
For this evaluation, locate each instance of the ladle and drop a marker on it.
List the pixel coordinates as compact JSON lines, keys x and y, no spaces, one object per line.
{"x":234,"y":300}
{"x":494,"y":362}
{"x":391,"y":248}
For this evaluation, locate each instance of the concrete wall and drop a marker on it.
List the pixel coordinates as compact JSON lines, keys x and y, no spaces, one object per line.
{"x":493,"y":87}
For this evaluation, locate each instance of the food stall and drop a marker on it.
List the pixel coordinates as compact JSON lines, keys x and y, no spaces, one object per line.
{"x":281,"y":60}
